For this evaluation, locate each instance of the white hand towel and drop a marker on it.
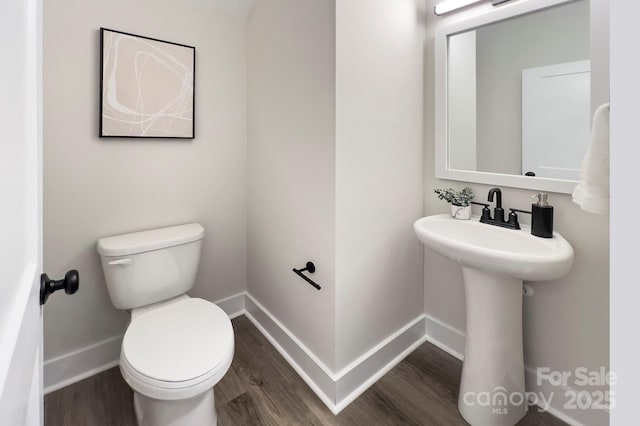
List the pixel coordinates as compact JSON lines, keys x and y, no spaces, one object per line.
{"x":592,"y":191}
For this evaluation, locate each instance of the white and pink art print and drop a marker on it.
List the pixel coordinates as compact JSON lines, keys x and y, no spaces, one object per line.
{"x":147,"y":87}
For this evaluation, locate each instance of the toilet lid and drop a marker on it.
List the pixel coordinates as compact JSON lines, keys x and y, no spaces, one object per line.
{"x":180,"y":341}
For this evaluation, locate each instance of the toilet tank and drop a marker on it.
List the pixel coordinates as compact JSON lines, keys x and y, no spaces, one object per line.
{"x":147,"y":267}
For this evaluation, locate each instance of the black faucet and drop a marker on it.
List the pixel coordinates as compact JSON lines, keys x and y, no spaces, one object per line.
{"x":498,"y":212}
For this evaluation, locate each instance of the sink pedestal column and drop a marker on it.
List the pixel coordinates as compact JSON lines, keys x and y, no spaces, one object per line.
{"x":492,"y":391}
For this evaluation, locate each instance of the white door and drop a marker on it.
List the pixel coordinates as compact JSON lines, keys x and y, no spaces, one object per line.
{"x":556,"y":119}
{"x":20,"y":213}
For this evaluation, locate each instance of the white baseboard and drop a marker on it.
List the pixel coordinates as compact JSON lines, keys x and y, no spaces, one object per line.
{"x":336,"y":390}
{"x":452,"y":340}
{"x":313,"y":371}
{"x":232,"y":305}
{"x":444,"y":336}
{"x":377,"y":362}
{"x":596,"y":416}
{"x":74,"y":366}
{"x":77,"y":365}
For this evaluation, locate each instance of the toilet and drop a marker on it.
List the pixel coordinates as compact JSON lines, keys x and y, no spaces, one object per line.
{"x":176,"y":348}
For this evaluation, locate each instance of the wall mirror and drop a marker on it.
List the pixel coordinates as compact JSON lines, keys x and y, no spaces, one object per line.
{"x":513,"y":95}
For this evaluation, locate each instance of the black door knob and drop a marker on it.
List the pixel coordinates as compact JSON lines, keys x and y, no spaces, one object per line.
{"x":70,"y":284}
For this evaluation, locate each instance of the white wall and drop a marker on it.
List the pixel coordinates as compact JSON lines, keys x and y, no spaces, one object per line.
{"x":625,"y":151}
{"x":291,"y":175}
{"x":379,"y":180}
{"x":461,"y":98}
{"x":599,"y":48}
{"x":335,"y":169}
{"x":566,"y":321}
{"x":98,"y":187}
{"x":549,"y":37}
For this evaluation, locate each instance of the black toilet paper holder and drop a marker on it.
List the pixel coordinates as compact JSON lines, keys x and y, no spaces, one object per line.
{"x":310,"y":267}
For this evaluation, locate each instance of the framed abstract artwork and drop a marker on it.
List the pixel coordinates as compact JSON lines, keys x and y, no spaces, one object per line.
{"x":146,"y":87}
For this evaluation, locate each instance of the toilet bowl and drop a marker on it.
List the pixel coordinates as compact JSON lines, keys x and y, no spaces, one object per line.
{"x":176,"y":348}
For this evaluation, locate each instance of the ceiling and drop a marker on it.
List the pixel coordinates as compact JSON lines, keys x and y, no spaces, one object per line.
{"x":233,"y":7}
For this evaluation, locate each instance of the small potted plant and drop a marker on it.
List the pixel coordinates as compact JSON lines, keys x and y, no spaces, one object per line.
{"x":460,"y":201}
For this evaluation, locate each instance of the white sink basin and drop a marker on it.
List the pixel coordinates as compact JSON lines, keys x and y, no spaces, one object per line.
{"x":494,"y":262}
{"x":494,"y":249}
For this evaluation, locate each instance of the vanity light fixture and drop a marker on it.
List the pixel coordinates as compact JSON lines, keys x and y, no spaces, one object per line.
{"x":451,"y":5}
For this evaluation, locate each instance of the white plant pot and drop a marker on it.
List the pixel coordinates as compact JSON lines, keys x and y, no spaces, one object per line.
{"x":461,"y":212}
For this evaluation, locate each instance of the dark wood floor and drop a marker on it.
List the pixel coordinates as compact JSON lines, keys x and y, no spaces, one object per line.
{"x":262,"y":389}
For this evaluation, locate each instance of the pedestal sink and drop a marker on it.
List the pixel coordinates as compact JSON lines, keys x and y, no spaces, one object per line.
{"x":494,"y":262}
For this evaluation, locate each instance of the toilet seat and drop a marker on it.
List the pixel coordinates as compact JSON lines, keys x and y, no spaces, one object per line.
{"x":178,"y":350}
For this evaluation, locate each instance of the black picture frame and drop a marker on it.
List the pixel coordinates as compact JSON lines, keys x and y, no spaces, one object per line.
{"x":147,"y":87}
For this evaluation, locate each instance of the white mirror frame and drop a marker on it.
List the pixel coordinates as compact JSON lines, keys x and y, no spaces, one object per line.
{"x":506,"y":11}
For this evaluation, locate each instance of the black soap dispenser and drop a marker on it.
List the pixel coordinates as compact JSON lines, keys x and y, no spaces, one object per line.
{"x":542,"y":217}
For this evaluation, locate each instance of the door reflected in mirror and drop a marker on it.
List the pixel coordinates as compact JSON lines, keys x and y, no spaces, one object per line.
{"x":518,"y":94}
